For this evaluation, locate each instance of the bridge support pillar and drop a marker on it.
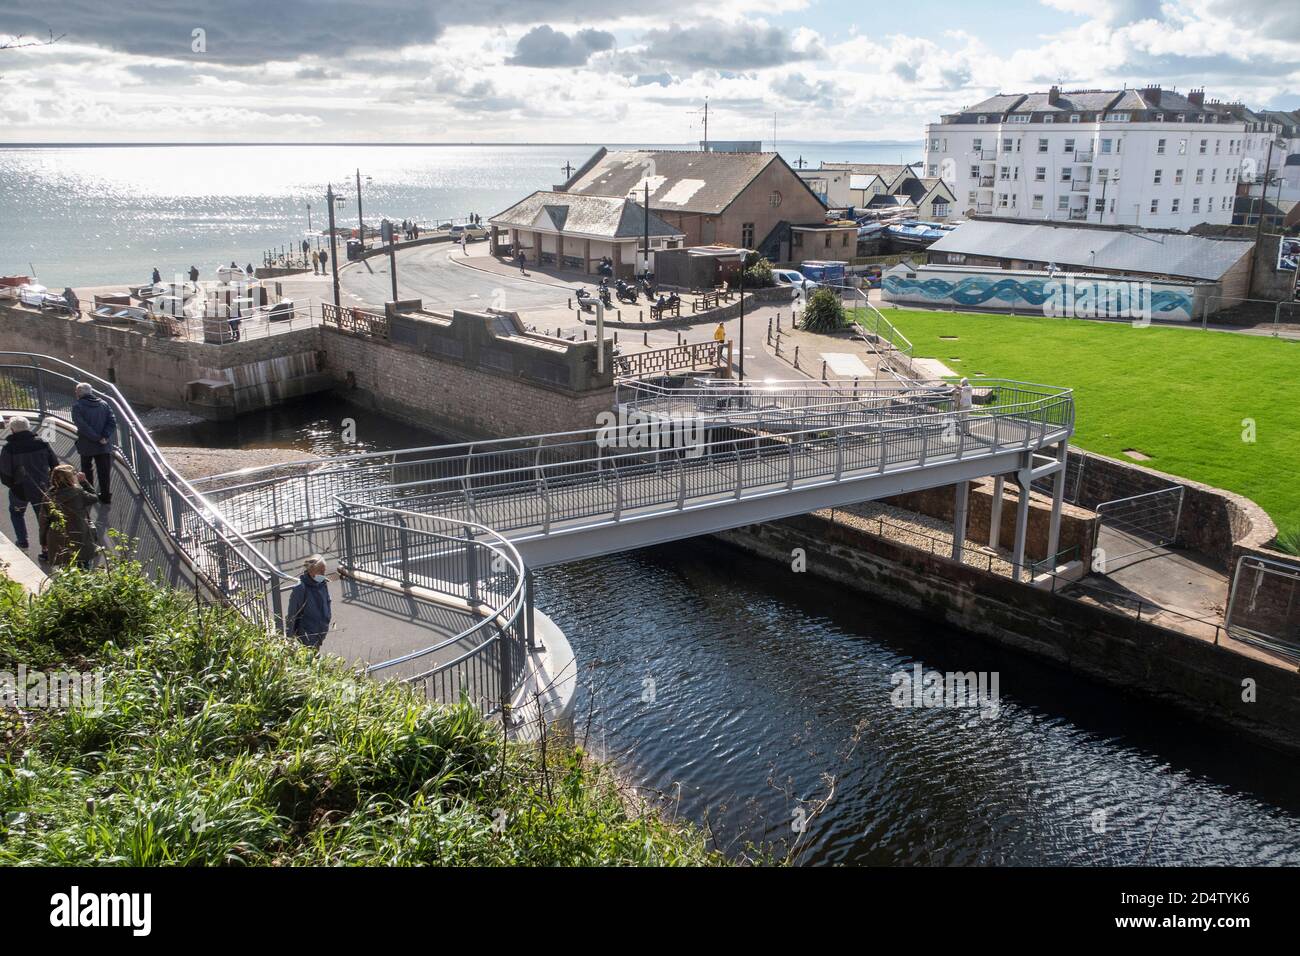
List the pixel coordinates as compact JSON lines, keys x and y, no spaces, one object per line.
{"x":1058,"y":495}
{"x":995,"y":512}
{"x":959,"y":511}
{"x":1023,"y":482}
{"x":530,"y":629}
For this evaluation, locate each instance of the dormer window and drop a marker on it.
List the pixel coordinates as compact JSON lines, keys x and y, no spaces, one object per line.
{"x":1160,"y":117}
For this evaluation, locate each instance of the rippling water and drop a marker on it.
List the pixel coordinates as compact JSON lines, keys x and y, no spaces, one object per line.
{"x":764,"y":681}
{"x":108,"y":215}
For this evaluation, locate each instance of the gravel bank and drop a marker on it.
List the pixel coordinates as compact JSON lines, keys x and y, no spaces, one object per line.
{"x":201,"y":462}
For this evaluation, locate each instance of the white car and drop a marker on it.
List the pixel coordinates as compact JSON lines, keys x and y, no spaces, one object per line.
{"x":471,"y":232}
{"x":793,"y":278}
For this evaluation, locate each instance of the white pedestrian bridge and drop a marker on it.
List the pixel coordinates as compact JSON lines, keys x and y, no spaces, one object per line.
{"x":460,"y":527}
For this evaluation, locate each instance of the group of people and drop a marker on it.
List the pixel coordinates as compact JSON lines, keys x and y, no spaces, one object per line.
{"x":410,"y":229}
{"x":62,"y":498}
{"x":320,"y":259}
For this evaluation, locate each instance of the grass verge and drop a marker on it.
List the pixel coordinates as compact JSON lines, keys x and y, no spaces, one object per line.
{"x":218,"y":744}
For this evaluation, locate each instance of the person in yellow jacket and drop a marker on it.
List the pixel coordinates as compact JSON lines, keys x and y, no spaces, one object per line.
{"x":720,"y":333}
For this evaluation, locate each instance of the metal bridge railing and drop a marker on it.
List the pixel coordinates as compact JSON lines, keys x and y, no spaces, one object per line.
{"x":219,"y":552}
{"x":543,"y":479}
{"x":460,"y":560}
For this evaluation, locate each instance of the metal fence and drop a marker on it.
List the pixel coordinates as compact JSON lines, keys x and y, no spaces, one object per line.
{"x":234,"y":570}
{"x":692,"y":356}
{"x":486,"y":662}
{"x":537,"y":481}
{"x":1264,"y":604}
{"x":361,"y":322}
{"x":1139,"y":523}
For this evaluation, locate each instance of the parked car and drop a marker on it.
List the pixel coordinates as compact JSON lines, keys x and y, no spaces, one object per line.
{"x":793,"y":278}
{"x":471,"y":231}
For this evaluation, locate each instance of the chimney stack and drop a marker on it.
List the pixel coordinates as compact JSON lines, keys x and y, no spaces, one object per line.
{"x":1053,"y":96}
{"x":1151,"y":94}
{"x":1196,"y":97}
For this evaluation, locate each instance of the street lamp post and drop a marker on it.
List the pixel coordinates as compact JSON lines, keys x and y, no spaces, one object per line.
{"x":742,"y":317}
{"x":361,"y":223}
{"x":334,"y":254}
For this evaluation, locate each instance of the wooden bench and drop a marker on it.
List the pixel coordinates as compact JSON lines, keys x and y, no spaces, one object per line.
{"x":706,"y":301}
{"x":657,"y":311}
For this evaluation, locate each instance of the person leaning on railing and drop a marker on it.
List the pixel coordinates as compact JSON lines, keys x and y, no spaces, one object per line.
{"x":70,"y":529}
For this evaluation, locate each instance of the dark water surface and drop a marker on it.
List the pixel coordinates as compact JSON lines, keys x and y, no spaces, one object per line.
{"x":768,"y":685}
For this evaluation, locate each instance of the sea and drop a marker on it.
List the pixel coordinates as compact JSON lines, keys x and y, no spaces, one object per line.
{"x":101,"y":215}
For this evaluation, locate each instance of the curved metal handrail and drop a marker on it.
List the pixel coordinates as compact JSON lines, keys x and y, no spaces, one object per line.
{"x":142,"y":448}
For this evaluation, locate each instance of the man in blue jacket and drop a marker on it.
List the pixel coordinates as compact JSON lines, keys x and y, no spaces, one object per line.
{"x":308,"y":618}
{"x":96,"y":438}
{"x":25,"y":464}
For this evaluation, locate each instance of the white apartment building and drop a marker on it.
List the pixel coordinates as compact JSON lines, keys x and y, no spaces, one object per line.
{"x":1141,"y":157}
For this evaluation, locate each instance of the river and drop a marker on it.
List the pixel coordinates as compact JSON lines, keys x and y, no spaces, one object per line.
{"x":757,"y":701}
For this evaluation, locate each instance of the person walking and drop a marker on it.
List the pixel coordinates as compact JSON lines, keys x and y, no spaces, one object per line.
{"x":309,"y":613}
{"x":963,"y":399}
{"x":96,"y":434}
{"x":315,"y":263}
{"x":464,"y":243}
{"x":521,"y":259}
{"x":26,"y":461}
{"x":69,"y":529}
{"x":194,"y":273}
{"x":324,"y":261}
{"x":720,"y":333}
{"x":157,"y":277}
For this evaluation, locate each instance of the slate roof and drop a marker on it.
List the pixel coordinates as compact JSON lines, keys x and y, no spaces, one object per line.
{"x":680,"y":180}
{"x":1156,"y":253}
{"x":605,"y":217}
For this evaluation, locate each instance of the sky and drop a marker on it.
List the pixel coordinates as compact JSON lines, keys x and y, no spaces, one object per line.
{"x":600,"y":71}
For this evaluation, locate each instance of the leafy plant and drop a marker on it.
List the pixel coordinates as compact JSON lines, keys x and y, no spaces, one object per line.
{"x":758,"y":272}
{"x":823,"y":312}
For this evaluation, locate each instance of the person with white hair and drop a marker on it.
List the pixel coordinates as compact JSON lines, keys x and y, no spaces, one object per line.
{"x":309,"y":613}
{"x":96,"y":434}
{"x":26,"y":461}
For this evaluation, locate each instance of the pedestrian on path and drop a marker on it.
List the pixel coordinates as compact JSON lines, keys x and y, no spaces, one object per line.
{"x":522,"y":260}
{"x":315,"y":263}
{"x":309,"y":605}
{"x":96,"y":431}
{"x":25,"y":465}
{"x":720,"y":333}
{"x":69,"y":528}
{"x":464,"y":243}
{"x":324,"y":261}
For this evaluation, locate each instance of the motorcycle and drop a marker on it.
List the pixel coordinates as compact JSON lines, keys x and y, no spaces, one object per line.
{"x":604,"y":295}
{"x":626,"y":292}
{"x":585,"y":302}
{"x":647,"y":287}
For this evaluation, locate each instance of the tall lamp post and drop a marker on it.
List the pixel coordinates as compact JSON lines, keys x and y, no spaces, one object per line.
{"x":334,"y":253}
{"x":361,"y":223}
{"x":742,"y":316}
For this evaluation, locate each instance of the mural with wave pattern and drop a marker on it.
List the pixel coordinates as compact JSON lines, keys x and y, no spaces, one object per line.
{"x":985,"y":291}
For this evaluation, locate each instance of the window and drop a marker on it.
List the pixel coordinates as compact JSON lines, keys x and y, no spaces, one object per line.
{"x":774,"y":200}
{"x":932,"y":170}
{"x":972,"y":197}
{"x":1158,"y":174}
{"x":1013,"y":200}
{"x":1178,"y":177}
{"x":1069,"y":146}
{"x":1204,"y":143}
{"x":1155,"y":205}
{"x":982,"y":119}
{"x":1006,"y":145}
{"x":1049,"y":118}
{"x":1196,"y":204}
{"x":1042,"y":145}
{"x":1063,"y":203}
{"x":1004,"y":172}
{"x":747,"y":235}
{"x":1200,"y":176}
{"x":934,"y":145}
{"x":1160,"y":147}
{"x":1217,"y":143}
{"x":1214,"y":173}
{"x":940,"y":211}
{"x":1065,"y":175}
{"x":1020,"y":118}
{"x":1105,"y":145}
{"x":1074,"y":117}
{"x":1160,"y":118}
{"x":1038,"y":201}
{"x":974,"y":172}
{"x":1174,"y":204}
{"x":1182,"y":147}
{"x":1117,"y":117}
{"x":1182,"y":118}
{"x":1098,"y":205}
{"x":1002,"y":199}
{"x":977,"y":144}
{"x":826,"y":243}
{"x":1040,"y":174}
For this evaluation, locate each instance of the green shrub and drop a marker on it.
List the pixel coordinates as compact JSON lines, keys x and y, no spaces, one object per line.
{"x":758,"y":272}
{"x":823,"y":312}
{"x":220,"y":744}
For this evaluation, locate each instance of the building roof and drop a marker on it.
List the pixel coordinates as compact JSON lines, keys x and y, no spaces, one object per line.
{"x":680,"y":180}
{"x":603,"y":217}
{"x":1116,"y":250}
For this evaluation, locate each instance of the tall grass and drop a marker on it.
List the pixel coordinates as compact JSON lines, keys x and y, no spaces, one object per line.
{"x":218,"y":744}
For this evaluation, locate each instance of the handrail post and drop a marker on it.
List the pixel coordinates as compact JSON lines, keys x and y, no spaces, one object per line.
{"x":404,"y":550}
{"x":349,"y":555}
{"x":471,"y":566}
{"x":530,"y":628}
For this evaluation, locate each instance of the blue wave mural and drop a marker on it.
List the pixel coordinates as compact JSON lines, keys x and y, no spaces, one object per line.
{"x":985,"y":291}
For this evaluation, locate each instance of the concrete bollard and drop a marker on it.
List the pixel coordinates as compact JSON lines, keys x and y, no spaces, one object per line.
{"x":823,"y":370}
{"x":584,"y":335}
{"x":796,"y":356}
{"x":645,"y":339}
{"x":679,"y":338}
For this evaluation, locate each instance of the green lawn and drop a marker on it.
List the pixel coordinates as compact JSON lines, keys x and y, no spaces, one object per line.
{"x":1177,"y":395}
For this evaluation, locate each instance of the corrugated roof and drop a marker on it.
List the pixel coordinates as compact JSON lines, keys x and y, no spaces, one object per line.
{"x":680,"y":180}
{"x":604,"y":216}
{"x":1157,"y":253}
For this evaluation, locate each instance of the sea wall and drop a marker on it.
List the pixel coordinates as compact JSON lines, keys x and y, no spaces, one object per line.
{"x":1206,"y":681}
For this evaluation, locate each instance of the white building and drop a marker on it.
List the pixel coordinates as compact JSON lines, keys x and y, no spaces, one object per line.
{"x":1141,"y":157}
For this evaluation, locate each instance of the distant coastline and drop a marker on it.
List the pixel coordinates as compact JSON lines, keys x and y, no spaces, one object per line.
{"x":790,"y":142}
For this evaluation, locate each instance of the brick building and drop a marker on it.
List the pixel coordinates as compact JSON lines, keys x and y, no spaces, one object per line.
{"x":747,"y":200}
